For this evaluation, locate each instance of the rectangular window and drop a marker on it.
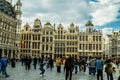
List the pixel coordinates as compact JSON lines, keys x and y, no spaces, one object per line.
{"x":46,"y":47}
{"x":30,"y":36}
{"x":90,"y":46}
{"x":80,"y":46}
{"x":43,"y":39}
{"x":51,"y":33}
{"x":100,"y":47}
{"x":96,"y":46}
{"x":51,"y":48}
{"x":86,"y":38}
{"x":99,"y":38}
{"x":93,"y":46}
{"x":80,"y":38}
{"x":93,"y":38}
{"x":42,"y":47}
{"x":38,"y":37}
{"x":47,"y":39}
{"x":51,"y":39}
{"x":96,"y":38}
{"x":86,"y":47}
{"x":47,"y":33}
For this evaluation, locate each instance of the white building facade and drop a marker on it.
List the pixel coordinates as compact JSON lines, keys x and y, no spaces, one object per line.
{"x":8,"y":28}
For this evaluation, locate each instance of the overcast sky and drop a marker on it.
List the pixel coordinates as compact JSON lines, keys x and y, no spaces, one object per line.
{"x":105,"y":14}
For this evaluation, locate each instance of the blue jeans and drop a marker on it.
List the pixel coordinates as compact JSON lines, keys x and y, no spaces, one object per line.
{"x":99,"y":74}
{"x":42,"y":70}
{"x":76,"y":68}
{"x":4,"y":71}
{"x":34,"y":65}
{"x":90,"y":71}
{"x":110,"y":76}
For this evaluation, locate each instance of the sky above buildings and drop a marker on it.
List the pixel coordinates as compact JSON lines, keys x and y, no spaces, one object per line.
{"x":105,"y":14}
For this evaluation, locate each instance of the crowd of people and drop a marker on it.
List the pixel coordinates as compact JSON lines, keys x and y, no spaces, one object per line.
{"x":96,"y":66}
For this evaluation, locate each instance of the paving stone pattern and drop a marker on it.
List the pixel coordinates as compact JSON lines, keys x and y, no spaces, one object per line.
{"x":19,"y":73}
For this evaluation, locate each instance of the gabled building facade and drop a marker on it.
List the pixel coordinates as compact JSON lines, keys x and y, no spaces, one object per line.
{"x":49,"y":40}
{"x":90,"y":42}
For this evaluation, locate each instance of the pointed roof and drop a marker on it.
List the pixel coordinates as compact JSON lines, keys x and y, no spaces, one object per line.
{"x":37,"y":19}
{"x":72,"y":24}
{"x":19,"y":3}
{"x":48,"y":23}
{"x":60,"y":26}
{"x":27,"y":24}
{"x":89,"y":23}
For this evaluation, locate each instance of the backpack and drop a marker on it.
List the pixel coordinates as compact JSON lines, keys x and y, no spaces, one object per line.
{"x":109,"y":68}
{"x":69,"y":64}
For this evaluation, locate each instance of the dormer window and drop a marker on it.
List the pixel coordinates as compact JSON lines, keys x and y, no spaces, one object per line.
{"x":26,"y":28}
{"x":72,"y":31}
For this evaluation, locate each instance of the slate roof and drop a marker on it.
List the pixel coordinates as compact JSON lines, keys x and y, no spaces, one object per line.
{"x":7,"y":8}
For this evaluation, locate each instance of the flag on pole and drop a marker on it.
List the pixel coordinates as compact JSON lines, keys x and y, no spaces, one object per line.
{"x":22,"y":44}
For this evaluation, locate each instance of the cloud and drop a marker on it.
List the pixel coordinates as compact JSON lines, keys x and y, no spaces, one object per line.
{"x":67,"y":11}
{"x":106,"y":31}
{"x":105,"y":12}
{"x":103,"y":16}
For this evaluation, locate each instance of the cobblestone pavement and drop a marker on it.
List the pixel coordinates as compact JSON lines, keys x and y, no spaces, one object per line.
{"x":19,"y":73}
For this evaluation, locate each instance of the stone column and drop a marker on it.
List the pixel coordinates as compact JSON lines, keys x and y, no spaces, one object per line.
{"x":3,"y":50}
{"x":8,"y":53}
{"x":11,"y":54}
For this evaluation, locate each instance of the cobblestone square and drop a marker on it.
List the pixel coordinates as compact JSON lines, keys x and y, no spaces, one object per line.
{"x":19,"y":73}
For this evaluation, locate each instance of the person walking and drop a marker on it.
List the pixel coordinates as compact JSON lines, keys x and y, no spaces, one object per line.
{"x":4,"y":65}
{"x":92,"y":66}
{"x":69,"y":66}
{"x":13,"y":60}
{"x":76,"y":66}
{"x":109,"y":69}
{"x":58,"y":65}
{"x":99,"y":68}
{"x":42,"y":63}
{"x":22,"y":60}
{"x":64,"y":60}
{"x":27,"y":63}
{"x":51,"y":63}
{"x":83,"y":64}
{"x":35,"y":62}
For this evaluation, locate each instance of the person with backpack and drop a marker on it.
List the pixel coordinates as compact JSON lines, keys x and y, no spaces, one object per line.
{"x":92,"y":66}
{"x":109,"y":69}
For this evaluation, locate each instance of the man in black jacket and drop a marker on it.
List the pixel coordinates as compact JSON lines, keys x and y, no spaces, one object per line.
{"x":35,"y":62}
{"x":69,"y":66}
